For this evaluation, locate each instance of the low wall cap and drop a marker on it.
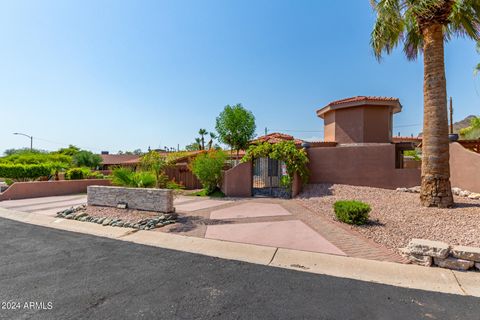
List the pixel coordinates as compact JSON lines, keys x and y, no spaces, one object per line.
{"x":357,"y":101}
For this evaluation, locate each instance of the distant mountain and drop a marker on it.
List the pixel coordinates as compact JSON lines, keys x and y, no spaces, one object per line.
{"x":459,"y":125}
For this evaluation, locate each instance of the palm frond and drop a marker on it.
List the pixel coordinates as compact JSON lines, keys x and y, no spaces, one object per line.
{"x":389,"y":26}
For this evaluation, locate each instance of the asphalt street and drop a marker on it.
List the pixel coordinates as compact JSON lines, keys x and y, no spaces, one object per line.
{"x":53,"y":274}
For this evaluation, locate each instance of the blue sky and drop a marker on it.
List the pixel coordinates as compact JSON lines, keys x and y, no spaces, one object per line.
{"x":120,"y":75}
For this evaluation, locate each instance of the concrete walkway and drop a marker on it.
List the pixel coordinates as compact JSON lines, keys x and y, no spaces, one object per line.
{"x":273,"y":222}
{"x":395,"y":274}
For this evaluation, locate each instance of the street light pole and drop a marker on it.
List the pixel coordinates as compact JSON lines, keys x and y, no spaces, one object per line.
{"x":26,"y":135}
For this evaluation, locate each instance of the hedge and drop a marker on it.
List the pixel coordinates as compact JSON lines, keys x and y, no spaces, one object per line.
{"x":25,"y":171}
{"x":352,"y":212}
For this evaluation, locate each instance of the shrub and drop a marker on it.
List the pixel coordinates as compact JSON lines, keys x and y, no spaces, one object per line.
{"x":207,"y":167}
{"x":77,"y":173}
{"x":63,"y":161}
{"x":129,"y":178}
{"x":173,"y":185}
{"x":352,"y":212}
{"x":87,"y":159}
{"x":25,"y":171}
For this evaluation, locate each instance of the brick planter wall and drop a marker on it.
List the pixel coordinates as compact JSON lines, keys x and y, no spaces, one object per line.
{"x":160,"y":200}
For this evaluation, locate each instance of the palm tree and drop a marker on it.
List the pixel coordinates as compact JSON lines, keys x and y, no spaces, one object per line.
{"x":213,"y":136}
{"x":477,"y":68}
{"x":198,"y":143}
{"x":202,"y":133}
{"x":424,"y":25}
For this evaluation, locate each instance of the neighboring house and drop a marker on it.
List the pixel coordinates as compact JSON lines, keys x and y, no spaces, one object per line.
{"x":110,"y":161}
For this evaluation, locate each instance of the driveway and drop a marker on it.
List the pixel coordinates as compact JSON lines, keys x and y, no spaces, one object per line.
{"x":63,"y":275}
{"x":46,"y":205}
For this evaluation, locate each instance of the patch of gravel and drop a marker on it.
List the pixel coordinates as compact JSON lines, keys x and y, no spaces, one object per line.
{"x":127,"y":215}
{"x":397,"y":217}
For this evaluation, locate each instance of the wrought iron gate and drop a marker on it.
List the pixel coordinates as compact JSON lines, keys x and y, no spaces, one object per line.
{"x":268,"y":178}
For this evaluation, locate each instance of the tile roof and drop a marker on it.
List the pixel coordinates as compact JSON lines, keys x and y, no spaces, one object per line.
{"x":362,"y":98}
{"x":359,"y":101}
{"x":276,"y":137}
{"x":114,"y":159}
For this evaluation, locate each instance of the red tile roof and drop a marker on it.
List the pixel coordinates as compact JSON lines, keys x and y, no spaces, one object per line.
{"x":359,"y":101}
{"x":363,"y":98}
{"x":118,"y":159}
{"x":398,"y":139}
{"x":277,"y":137}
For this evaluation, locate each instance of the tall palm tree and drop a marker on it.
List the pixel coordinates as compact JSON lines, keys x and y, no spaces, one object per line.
{"x":213,"y":136}
{"x":477,"y":68}
{"x":424,"y":25}
{"x":202,"y":133}
{"x":198,"y":143}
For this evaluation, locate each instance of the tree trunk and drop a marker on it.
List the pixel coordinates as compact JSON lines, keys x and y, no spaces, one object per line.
{"x":436,"y":190}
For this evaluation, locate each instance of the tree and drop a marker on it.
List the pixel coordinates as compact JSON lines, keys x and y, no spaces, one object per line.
{"x":477,"y":68}
{"x":202,"y":133}
{"x":155,"y":163}
{"x":194,"y":146}
{"x":236,"y":127}
{"x":207,"y":167}
{"x":213,"y":136}
{"x":70,"y":151}
{"x":424,"y":26}
{"x":86,"y":159}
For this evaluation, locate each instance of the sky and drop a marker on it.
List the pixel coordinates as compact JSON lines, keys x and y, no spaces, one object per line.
{"x":122,"y":75}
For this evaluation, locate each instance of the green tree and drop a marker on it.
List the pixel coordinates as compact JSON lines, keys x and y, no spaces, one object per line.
{"x":70,"y":151}
{"x":87,"y":159}
{"x":202,"y":133}
{"x":213,"y":136}
{"x":236,"y":127}
{"x":208,"y":169}
{"x":424,"y":26}
{"x":155,"y":163}
{"x":477,"y":68}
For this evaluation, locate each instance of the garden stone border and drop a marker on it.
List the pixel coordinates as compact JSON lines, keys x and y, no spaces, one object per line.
{"x":456,"y":191}
{"x":427,"y":253}
{"x":79,"y":213}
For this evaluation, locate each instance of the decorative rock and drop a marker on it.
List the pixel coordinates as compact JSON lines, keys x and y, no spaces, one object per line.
{"x":464,"y":193}
{"x":466,"y":253}
{"x":475,"y":196}
{"x":477,"y":265}
{"x":402,"y":189}
{"x":456,"y":191}
{"x":106,"y":222}
{"x":453,"y":263}
{"x":423,"y":247}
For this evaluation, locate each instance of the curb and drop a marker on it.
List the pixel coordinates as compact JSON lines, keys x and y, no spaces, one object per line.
{"x":388,"y":273}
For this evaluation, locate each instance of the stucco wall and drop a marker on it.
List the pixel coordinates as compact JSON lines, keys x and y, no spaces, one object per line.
{"x":364,"y":165}
{"x":329,"y":127}
{"x":160,"y":200}
{"x":237,"y":181}
{"x":349,"y":125}
{"x":376,"y":124}
{"x":464,"y":168}
{"x":24,"y":190}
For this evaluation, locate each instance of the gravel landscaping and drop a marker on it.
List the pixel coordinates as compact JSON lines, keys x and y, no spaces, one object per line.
{"x":397,"y":217}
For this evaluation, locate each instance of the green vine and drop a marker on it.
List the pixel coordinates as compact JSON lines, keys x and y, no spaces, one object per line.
{"x":295,"y":159}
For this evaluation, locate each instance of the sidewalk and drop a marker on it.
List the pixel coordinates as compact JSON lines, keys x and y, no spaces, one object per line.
{"x":402,"y":275}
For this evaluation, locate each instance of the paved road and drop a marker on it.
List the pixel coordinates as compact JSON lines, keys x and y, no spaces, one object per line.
{"x":86,"y":277}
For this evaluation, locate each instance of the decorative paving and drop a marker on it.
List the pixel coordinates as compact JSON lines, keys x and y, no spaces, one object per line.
{"x":293,"y":234}
{"x":199,"y":205}
{"x":250,"y":210}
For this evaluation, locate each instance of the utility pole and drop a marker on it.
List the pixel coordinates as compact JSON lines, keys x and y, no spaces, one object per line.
{"x":266,"y":131}
{"x":26,"y":135}
{"x":451,"y":115}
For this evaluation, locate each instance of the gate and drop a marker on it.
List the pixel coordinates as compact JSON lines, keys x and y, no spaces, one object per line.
{"x":269,"y":177}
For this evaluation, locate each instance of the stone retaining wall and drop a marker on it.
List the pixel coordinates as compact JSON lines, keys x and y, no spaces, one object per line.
{"x":160,"y":200}
{"x":428,"y":253}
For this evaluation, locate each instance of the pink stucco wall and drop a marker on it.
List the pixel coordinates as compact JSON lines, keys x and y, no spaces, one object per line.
{"x":24,"y":190}
{"x":464,"y":168}
{"x":370,"y":165}
{"x":237,"y":181}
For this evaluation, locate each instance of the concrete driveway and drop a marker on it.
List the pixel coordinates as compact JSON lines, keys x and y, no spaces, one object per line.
{"x":46,"y":205}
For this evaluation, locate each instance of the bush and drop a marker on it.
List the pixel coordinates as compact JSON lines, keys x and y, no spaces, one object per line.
{"x":77,"y":174}
{"x":352,"y":212}
{"x":25,"y":171}
{"x":87,"y":159}
{"x":207,"y":167}
{"x":128,"y":178}
{"x":64,"y":161}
